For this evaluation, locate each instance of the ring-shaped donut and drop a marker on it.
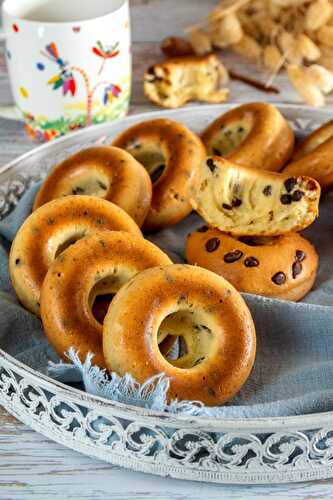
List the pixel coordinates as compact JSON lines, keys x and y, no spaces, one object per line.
{"x":283,"y":267}
{"x":173,"y":155}
{"x":254,"y":135}
{"x":107,"y":172}
{"x":314,"y":157}
{"x":97,"y":265}
{"x":195,"y":304}
{"x":52,"y":228}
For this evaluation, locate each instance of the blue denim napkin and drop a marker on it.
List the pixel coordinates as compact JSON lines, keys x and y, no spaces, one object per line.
{"x":293,"y":372}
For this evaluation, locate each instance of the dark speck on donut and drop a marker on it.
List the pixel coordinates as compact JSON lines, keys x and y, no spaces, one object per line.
{"x":102,"y":185}
{"x":17,"y":261}
{"x":279,"y":278}
{"x":50,"y":221}
{"x":85,"y":212}
{"x":241,"y":129}
{"x":212,"y":244}
{"x":211,"y":392}
{"x":267,"y":191}
{"x":286,"y":199}
{"x":100,"y":221}
{"x":211,"y":165}
{"x":296,"y":269}
{"x":226,"y":206}
{"x":300,"y":255}
{"x":231,"y":257}
{"x":236,"y":202}
{"x":202,"y":229}
{"x":251,"y":262}
{"x":77,"y":190}
{"x":217,"y":152}
{"x":297,"y":195}
{"x":289,"y":184}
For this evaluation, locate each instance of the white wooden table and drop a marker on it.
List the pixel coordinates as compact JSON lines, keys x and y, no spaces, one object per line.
{"x":31,"y":466}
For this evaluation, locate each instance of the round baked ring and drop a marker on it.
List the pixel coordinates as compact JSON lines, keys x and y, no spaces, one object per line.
{"x":172,"y":154}
{"x":193,"y":303}
{"x":314,"y":157}
{"x":283,"y":267}
{"x":254,"y":135}
{"x":51,"y":229}
{"x":104,"y":171}
{"x":96,"y":265}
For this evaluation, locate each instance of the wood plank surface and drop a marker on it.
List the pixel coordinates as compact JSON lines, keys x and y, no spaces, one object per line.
{"x":32,"y":466}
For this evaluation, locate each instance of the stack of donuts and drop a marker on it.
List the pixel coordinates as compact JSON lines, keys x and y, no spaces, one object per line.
{"x":80,"y":260}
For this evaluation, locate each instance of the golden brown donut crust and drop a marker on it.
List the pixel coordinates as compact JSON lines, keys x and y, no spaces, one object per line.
{"x":166,"y":142}
{"x":254,"y":135}
{"x":104,"y":171}
{"x":246,"y":201}
{"x":283,"y":267}
{"x":96,"y":265}
{"x":208,"y":312}
{"x":314,"y":157}
{"x":49,"y":229}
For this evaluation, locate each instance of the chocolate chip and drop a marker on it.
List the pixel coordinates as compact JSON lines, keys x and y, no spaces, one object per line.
{"x":231,"y":257}
{"x":211,"y":165}
{"x":289,"y":184}
{"x":241,"y":129}
{"x":212,"y":244}
{"x":157,"y":173}
{"x":270,"y":215}
{"x":17,"y":261}
{"x":311,"y":185}
{"x":202,"y":229}
{"x":297,"y":195}
{"x":251,"y":262}
{"x":279,"y":278}
{"x":296,"y":269}
{"x":286,"y":199}
{"x":77,"y":190}
{"x":217,"y":152}
{"x":267,"y":191}
{"x":236,"y":202}
{"x":226,"y":206}
{"x":300,"y":255}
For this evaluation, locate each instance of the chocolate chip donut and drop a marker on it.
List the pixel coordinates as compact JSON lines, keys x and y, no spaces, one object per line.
{"x":172,"y":154}
{"x":51,"y":229}
{"x":247,"y":201}
{"x":97,"y":265}
{"x":176,"y":81}
{"x":188,"y":302}
{"x":106,"y":172}
{"x":283,"y":267}
{"x":314,"y":157}
{"x":254,"y":135}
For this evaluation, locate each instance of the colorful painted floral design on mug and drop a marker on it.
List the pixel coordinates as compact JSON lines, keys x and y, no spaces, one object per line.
{"x":66,"y":75}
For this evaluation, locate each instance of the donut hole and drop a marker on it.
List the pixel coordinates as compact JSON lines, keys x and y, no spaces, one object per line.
{"x":102,"y":293}
{"x":231,"y":136}
{"x":153,"y":159}
{"x":61,"y":244}
{"x":194,"y":339}
{"x":100,"y":306}
{"x":89,"y":182}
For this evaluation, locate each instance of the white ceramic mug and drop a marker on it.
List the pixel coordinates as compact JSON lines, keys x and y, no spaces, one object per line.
{"x":69,"y":62}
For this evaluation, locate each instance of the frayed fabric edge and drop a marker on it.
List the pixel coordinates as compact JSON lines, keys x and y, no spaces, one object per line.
{"x":152,"y":394}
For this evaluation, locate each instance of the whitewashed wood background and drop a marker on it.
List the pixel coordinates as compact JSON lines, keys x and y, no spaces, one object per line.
{"x":31,"y":466}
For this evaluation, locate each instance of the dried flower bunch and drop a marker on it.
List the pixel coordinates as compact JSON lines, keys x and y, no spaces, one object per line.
{"x":296,"y":35}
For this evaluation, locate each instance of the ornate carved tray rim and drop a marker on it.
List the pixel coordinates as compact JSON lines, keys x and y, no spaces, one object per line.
{"x":309,"y":434}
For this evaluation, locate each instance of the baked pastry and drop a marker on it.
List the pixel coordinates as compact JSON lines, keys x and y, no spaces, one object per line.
{"x":283,"y":267}
{"x":103,"y":171}
{"x":49,"y":230}
{"x":173,"y":156}
{"x":178,"y":80}
{"x":192,"y":303}
{"x":314,"y":157}
{"x":247,"y":201}
{"x":254,"y":135}
{"x":97,"y":265}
